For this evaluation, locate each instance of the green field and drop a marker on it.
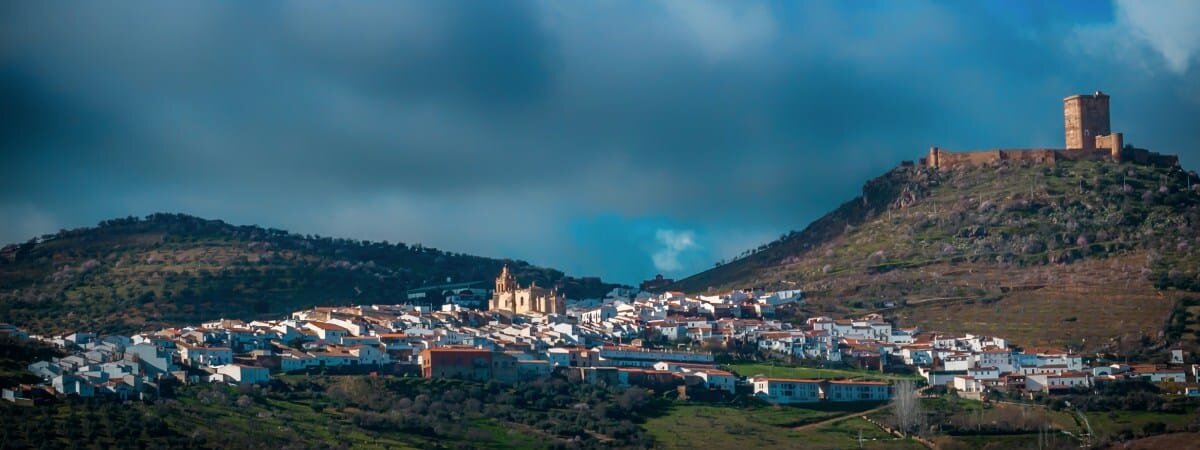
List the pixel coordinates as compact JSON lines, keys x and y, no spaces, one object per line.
{"x":280,"y":420}
{"x":1052,"y":440}
{"x":349,"y":412}
{"x":1113,"y":423}
{"x":749,"y":369}
{"x":731,"y":427}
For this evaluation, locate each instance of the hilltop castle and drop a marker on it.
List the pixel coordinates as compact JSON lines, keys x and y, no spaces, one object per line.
{"x":509,"y":296}
{"x":1088,"y":137}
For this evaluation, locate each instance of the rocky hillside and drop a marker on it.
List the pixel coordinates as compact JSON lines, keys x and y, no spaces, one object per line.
{"x":1085,"y":254}
{"x":167,"y":269}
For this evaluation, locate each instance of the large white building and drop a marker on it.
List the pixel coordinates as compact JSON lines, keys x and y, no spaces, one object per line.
{"x":243,"y":374}
{"x":856,"y":391}
{"x":784,"y":390}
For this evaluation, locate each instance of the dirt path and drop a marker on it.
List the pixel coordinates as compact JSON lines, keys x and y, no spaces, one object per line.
{"x":814,"y":425}
{"x":920,"y":392}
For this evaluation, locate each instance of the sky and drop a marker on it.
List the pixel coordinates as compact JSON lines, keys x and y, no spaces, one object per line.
{"x":609,"y":138}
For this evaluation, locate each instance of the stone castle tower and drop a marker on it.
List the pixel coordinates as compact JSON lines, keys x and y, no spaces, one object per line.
{"x":1086,"y":117}
{"x":1089,"y":137}
{"x":510,"y":296}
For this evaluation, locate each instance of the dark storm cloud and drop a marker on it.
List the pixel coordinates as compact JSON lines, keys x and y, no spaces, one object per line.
{"x":611,"y":138}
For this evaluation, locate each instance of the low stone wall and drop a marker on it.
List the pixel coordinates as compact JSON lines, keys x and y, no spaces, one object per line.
{"x":945,"y":159}
{"x":926,"y":442}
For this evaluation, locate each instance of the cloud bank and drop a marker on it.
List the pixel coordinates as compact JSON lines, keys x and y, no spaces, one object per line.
{"x":561,"y":133}
{"x":673,"y":243}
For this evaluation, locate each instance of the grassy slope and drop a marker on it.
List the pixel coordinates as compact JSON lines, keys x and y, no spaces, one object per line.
{"x":1175,"y":441}
{"x":1001,"y":237}
{"x":727,"y":427}
{"x":340,"y":412}
{"x":130,"y":274}
{"x":17,"y":355}
{"x":1108,"y":424}
{"x":193,"y":422}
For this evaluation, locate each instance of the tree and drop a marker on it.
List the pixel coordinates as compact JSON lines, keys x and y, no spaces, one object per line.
{"x":906,"y":406}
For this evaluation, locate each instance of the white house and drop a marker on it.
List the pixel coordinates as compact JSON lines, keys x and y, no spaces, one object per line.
{"x":1160,"y":374}
{"x":856,"y":391}
{"x":717,"y":379}
{"x":200,"y":355}
{"x":958,"y":362}
{"x":243,"y":374}
{"x":784,"y":390}
{"x":1046,"y":382}
{"x":1001,"y":359}
{"x":597,"y":315}
{"x":327,"y":332}
{"x":967,"y":383}
{"x":73,"y":385}
{"x":292,"y":360}
{"x":153,"y":359}
{"x":984,"y":373}
{"x":369,"y":355}
{"x":917,"y":355}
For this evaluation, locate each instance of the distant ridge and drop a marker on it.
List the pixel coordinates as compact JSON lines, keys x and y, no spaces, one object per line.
{"x":173,"y":269}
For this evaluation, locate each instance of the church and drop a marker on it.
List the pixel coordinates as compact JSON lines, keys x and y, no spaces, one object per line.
{"x":509,"y":296}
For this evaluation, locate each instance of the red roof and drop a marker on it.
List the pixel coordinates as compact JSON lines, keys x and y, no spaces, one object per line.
{"x":789,"y":380}
{"x":328,"y":326}
{"x":877,"y":383}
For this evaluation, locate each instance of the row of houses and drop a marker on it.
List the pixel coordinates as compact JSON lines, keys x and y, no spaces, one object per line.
{"x":608,"y":340}
{"x":630,"y":366}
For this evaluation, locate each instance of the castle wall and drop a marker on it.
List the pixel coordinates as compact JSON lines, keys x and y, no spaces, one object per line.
{"x":1088,"y":138}
{"x":1113,"y":143}
{"x":1149,"y":158}
{"x":939,"y":158}
{"x":944,"y":159}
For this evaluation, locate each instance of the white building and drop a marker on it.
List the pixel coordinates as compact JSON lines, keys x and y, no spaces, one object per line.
{"x":717,"y":379}
{"x":856,"y":391}
{"x":995,"y":357}
{"x":1046,"y":382}
{"x":967,"y":383}
{"x":243,"y":374}
{"x":785,"y":391}
{"x":199,"y":355}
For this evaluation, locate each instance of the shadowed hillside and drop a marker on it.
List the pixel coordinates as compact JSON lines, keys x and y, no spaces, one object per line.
{"x":1072,"y":245}
{"x":169,"y":269}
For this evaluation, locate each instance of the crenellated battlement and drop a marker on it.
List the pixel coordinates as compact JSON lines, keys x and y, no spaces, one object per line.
{"x":1088,"y":138}
{"x":939,"y":158}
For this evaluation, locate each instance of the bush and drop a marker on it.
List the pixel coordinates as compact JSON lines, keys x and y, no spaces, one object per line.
{"x":1151,"y":428}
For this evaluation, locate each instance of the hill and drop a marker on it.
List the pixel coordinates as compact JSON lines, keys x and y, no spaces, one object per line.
{"x":172,"y":269}
{"x":1087,"y":254}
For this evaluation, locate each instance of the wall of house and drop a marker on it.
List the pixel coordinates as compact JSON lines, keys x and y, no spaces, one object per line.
{"x":856,"y":392}
{"x":787,"y":392}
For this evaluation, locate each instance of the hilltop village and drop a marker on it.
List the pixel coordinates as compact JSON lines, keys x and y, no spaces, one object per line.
{"x":662,"y":341}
